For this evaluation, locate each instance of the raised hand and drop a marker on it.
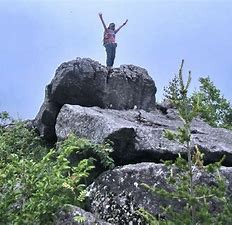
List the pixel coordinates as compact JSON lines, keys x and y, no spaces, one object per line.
{"x":101,"y":18}
{"x":125,"y":22}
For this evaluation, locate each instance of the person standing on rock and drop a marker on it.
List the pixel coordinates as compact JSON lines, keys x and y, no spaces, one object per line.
{"x":109,"y":41}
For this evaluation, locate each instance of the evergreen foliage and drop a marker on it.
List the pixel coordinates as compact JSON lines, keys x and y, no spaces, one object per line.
{"x":172,"y":92}
{"x":197,"y":199}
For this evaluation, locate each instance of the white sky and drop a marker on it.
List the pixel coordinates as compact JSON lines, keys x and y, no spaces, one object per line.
{"x":38,"y":35}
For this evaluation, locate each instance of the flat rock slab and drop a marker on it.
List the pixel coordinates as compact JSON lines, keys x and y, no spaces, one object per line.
{"x":138,"y":135}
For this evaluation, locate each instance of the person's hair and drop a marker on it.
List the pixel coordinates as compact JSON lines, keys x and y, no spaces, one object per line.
{"x":110,"y":25}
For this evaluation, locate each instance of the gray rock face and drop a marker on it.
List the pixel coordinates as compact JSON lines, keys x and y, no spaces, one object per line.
{"x":83,"y":98}
{"x":138,"y":135}
{"x":116,"y":195}
{"x":87,"y":83}
{"x":67,"y":217}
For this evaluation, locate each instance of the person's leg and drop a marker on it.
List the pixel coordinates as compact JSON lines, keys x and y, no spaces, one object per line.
{"x":108,"y":55}
{"x":111,"y":55}
{"x":113,"y":52}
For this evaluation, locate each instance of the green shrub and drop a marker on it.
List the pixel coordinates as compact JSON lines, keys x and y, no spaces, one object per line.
{"x":35,"y":182}
{"x":18,"y":139}
{"x":4,"y":118}
{"x":31,"y":192}
{"x":83,"y":148}
{"x":213,"y":107}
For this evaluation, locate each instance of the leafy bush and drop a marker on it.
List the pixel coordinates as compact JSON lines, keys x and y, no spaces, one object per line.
{"x":4,"y":118}
{"x":16,"y":138}
{"x":31,"y":192}
{"x":35,"y":182}
{"x":213,"y":107}
{"x":83,"y":148}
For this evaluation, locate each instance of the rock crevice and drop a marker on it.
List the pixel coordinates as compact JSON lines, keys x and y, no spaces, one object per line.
{"x":138,"y":135}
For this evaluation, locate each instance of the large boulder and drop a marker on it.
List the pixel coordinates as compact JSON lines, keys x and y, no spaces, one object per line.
{"x":68,"y":214}
{"x":138,"y":135}
{"x":88,"y":83}
{"x":116,"y":195}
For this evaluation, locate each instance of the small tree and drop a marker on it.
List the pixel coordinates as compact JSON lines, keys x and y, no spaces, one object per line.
{"x":196,"y":197}
{"x":172,"y":92}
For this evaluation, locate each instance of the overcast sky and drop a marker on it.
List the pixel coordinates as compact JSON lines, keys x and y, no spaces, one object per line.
{"x":38,"y":35}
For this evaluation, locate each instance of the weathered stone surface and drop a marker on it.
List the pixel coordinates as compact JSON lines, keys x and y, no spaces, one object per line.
{"x":67,"y":217}
{"x":87,"y":83}
{"x":138,"y":135}
{"x":46,"y":119}
{"x":116,"y":195}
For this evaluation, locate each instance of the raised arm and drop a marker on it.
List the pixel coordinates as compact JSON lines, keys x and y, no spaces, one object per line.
{"x":103,"y":23}
{"x":121,"y":26}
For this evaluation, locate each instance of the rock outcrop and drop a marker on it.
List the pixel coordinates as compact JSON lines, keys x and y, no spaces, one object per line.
{"x":138,"y":135}
{"x":87,"y":83}
{"x":67,"y":216}
{"x":84,"y":99}
{"x":116,"y":195}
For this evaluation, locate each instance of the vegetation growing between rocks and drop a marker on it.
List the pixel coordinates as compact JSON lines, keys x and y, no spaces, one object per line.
{"x":199,"y":203}
{"x":35,"y":181}
{"x":83,"y":148}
